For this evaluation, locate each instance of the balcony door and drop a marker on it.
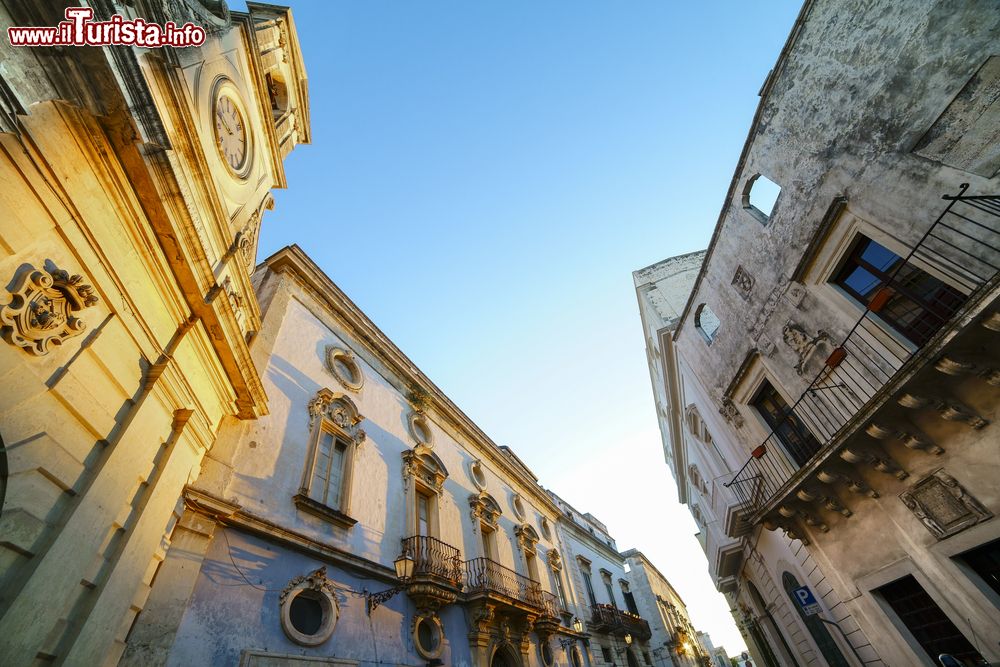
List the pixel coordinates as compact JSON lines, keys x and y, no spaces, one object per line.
{"x":800,"y":444}
{"x":916,"y":304}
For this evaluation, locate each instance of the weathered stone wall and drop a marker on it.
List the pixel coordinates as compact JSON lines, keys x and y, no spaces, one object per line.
{"x":842,"y":128}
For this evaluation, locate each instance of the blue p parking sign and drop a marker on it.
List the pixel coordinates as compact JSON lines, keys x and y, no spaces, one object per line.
{"x":807,"y":601}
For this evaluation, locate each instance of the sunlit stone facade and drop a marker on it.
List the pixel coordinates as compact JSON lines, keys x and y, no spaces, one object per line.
{"x":828,"y":392}
{"x":127,"y":240}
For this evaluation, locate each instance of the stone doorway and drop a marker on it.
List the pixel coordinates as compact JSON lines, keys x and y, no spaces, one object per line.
{"x":505,"y":657}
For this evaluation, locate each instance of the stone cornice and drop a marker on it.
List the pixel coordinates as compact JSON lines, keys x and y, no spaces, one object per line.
{"x":231,"y":514}
{"x":292,"y":261}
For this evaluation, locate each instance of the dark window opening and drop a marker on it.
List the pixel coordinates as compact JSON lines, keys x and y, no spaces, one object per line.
{"x":606,"y":652}
{"x":930,"y":626}
{"x":800,"y":444}
{"x":306,"y":614}
{"x":913,"y":302}
{"x":985,"y":562}
{"x":630,"y":602}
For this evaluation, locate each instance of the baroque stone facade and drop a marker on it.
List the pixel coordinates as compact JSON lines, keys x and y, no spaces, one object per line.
{"x":845,"y":421}
{"x":126,"y":248}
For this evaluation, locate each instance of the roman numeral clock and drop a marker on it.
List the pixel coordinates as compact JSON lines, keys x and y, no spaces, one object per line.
{"x":232,"y":135}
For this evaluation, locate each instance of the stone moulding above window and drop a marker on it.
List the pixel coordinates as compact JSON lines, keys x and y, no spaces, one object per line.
{"x":527,"y":538}
{"x":423,"y":465}
{"x":42,"y":308}
{"x":342,"y":364}
{"x":555,"y":560}
{"x":484,"y":508}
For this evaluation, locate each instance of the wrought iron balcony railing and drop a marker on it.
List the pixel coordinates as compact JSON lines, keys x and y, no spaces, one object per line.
{"x":963,"y":244}
{"x":612,"y":620}
{"x":433,"y":558}
{"x":485,"y":576}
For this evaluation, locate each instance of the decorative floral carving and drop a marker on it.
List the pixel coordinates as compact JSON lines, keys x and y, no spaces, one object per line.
{"x":338,"y":409}
{"x":42,"y":309}
{"x":743,"y":282}
{"x":731,"y":413}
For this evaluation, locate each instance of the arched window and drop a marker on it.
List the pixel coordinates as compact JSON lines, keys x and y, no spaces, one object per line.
{"x":706,"y":322}
{"x":759,"y":197}
{"x":815,"y":626}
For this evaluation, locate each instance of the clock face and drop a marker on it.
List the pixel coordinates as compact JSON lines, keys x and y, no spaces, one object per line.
{"x":230,"y":132}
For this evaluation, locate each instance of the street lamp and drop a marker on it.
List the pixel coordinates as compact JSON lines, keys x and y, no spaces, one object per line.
{"x":404,"y":570}
{"x":566,"y":642}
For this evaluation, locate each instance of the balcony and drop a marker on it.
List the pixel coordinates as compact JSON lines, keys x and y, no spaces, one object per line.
{"x":488,"y":579}
{"x":608,"y":619}
{"x":838,"y":432}
{"x":437,"y":572}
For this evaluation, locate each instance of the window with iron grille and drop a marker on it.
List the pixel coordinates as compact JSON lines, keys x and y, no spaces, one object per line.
{"x":929,"y":625}
{"x":910,"y":300}
{"x":800,"y":444}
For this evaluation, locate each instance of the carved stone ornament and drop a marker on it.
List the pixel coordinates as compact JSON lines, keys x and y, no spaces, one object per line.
{"x":527,"y":538}
{"x":484,"y":508}
{"x":42,"y":309}
{"x":342,"y":365}
{"x":246,"y":242}
{"x":420,"y":429}
{"x":338,"y":409}
{"x":315,"y":586}
{"x":743,"y":282}
{"x":555,"y":560}
{"x":943,"y":505}
{"x":423,"y":464}
{"x":731,"y":413}
{"x":807,"y":348}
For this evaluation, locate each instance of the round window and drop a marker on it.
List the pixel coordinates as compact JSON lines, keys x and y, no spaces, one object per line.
{"x":420,"y":429}
{"x":546,"y":653}
{"x":306,"y":613}
{"x":344,"y":367}
{"x":309,"y":611}
{"x":428,"y":636}
{"x":546,"y":531}
{"x":478,"y":474}
{"x":518,"y":506}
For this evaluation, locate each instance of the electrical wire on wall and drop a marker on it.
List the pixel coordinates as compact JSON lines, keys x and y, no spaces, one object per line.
{"x":360,"y":594}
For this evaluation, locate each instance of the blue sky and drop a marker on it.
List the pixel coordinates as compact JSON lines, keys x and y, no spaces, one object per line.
{"x":484,"y":177}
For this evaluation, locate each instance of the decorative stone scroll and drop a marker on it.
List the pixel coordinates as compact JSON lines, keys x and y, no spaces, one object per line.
{"x":943,"y":505}
{"x":42,"y":309}
{"x":338,"y":409}
{"x":731,"y":413}
{"x":484,"y":508}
